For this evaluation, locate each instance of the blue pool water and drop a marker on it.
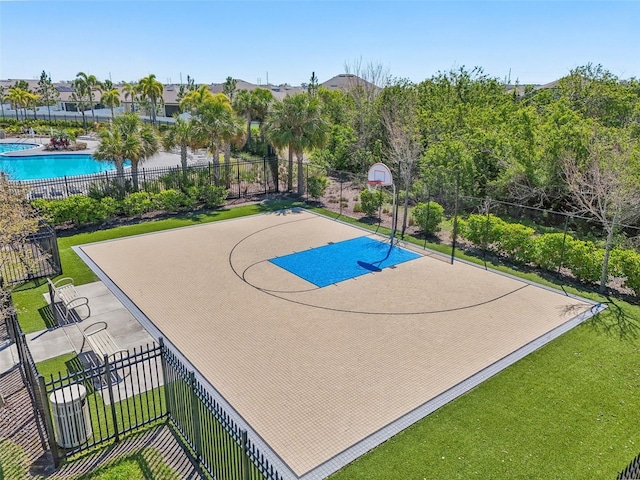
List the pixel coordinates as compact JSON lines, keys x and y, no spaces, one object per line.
{"x":341,"y":261}
{"x":36,"y":167}
{"x":14,"y":147}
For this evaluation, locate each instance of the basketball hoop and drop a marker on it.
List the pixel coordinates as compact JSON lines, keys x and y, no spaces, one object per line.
{"x":373,"y":185}
{"x":380,"y":176}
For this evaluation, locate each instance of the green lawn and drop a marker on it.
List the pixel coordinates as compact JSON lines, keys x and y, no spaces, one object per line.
{"x":145,"y":464}
{"x":33,"y":313}
{"x":568,"y":411}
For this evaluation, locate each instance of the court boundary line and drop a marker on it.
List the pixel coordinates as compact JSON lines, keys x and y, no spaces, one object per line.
{"x":386,"y":432}
{"x":265,"y":449}
{"x":375,"y":439}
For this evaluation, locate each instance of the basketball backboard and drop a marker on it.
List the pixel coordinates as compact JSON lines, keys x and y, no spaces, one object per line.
{"x":380,"y":174}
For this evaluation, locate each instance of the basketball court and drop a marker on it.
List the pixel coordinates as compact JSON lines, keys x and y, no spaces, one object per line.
{"x":322,"y":339}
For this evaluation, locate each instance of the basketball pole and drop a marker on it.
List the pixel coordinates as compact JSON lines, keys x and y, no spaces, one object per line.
{"x":394,"y":214}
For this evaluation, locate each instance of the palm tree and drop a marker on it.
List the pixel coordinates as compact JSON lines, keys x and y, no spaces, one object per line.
{"x":80,"y":96}
{"x":253,"y":105}
{"x":151,"y":89}
{"x":219,"y":125}
{"x":184,"y":134}
{"x":296,"y":123}
{"x":127,"y":138}
{"x":18,"y":99}
{"x":243,"y":105}
{"x":262,"y":100}
{"x":111,"y":98}
{"x":2,"y":99}
{"x":195,"y":98}
{"x":32,"y":101}
{"x":130,"y":90}
{"x":90,"y":84}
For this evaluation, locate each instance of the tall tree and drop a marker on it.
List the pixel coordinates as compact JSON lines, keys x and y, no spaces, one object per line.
{"x":111,"y":98}
{"x":243,"y":105}
{"x":127,"y":138}
{"x":130,"y":92}
{"x":196,"y":98}
{"x":80,"y":97}
{"x":3,"y":97}
{"x":229,"y":88}
{"x":90,"y":84}
{"x":184,"y":89}
{"x":18,"y":99}
{"x":152,"y":90}
{"x":48,"y":93}
{"x":606,"y":186}
{"x":184,"y":134}
{"x":296,"y":123}
{"x":403,"y":140}
{"x":312,"y":88}
{"x":218,"y":123}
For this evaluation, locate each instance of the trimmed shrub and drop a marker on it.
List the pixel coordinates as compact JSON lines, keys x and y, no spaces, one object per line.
{"x":371,"y":201}
{"x":111,"y":207}
{"x":212,"y":196}
{"x":137,"y":203}
{"x":584,"y":260}
{"x":428,"y":216}
{"x":626,"y":263}
{"x":76,"y":209}
{"x":317,"y":186}
{"x":172,"y":200}
{"x":548,"y":250}
{"x":481,"y":230}
{"x":515,"y":241}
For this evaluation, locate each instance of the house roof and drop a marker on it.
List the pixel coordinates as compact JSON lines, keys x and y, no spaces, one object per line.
{"x":170,"y":94}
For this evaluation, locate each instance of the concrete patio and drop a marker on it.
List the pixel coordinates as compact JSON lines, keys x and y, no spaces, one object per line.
{"x":53,"y":342}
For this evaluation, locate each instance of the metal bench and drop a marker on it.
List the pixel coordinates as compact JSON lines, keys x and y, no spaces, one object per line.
{"x":100,"y":341}
{"x":64,"y":291}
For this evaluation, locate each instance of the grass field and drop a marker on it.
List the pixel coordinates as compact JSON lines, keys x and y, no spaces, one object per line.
{"x":568,"y":411}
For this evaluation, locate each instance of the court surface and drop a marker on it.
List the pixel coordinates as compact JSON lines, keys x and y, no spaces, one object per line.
{"x":322,"y":374}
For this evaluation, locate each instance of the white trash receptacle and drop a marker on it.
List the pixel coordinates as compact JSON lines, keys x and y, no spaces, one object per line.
{"x":71,"y":418}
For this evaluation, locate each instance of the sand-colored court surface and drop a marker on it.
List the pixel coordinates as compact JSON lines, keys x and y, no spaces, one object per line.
{"x":316,"y":370}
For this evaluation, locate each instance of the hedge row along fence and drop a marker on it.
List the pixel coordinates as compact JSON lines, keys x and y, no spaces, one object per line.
{"x":81,"y":210}
{"x":554,"y":252}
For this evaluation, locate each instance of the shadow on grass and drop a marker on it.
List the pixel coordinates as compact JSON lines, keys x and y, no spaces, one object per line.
{"x":47,"y":316}
{"x":148,"y":462}
{"x":616,"y":320}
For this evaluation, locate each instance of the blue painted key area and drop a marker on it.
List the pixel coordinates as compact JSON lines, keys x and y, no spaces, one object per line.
{"x":340,"y":261}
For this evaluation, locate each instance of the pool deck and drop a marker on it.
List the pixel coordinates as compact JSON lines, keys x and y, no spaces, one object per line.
{"x":161,"y":159}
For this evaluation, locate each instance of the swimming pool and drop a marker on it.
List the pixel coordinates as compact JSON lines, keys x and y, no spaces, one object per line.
{"x":15,"y":147}
{"x":37,"y":167}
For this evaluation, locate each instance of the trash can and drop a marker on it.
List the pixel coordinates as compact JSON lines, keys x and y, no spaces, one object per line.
{"x":71,"y":419}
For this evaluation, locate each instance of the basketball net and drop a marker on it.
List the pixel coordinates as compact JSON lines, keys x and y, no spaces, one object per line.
{"x":373,"y":185}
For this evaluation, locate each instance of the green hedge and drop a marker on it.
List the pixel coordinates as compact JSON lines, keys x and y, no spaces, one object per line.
{"x":81,"y":210}
{"x":428,"y":216}
{"x":521,"y":245}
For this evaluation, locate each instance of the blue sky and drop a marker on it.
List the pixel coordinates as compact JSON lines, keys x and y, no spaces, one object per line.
{"x":536,"y":42}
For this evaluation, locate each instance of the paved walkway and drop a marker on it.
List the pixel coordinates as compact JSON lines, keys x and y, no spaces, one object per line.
{"x":19,"y":425}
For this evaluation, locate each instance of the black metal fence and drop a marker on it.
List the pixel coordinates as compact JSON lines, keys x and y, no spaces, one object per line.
{"x":221,"y":447}
{"x":564,"y":245}
{"x":240,"y":178}
{"x":632,"y":472}
{"x":70,"y":116}
{"x":118,"y":394}
{"x":102,"y":400}
{"x":37,"y":257}
{"x":28,"y":372}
